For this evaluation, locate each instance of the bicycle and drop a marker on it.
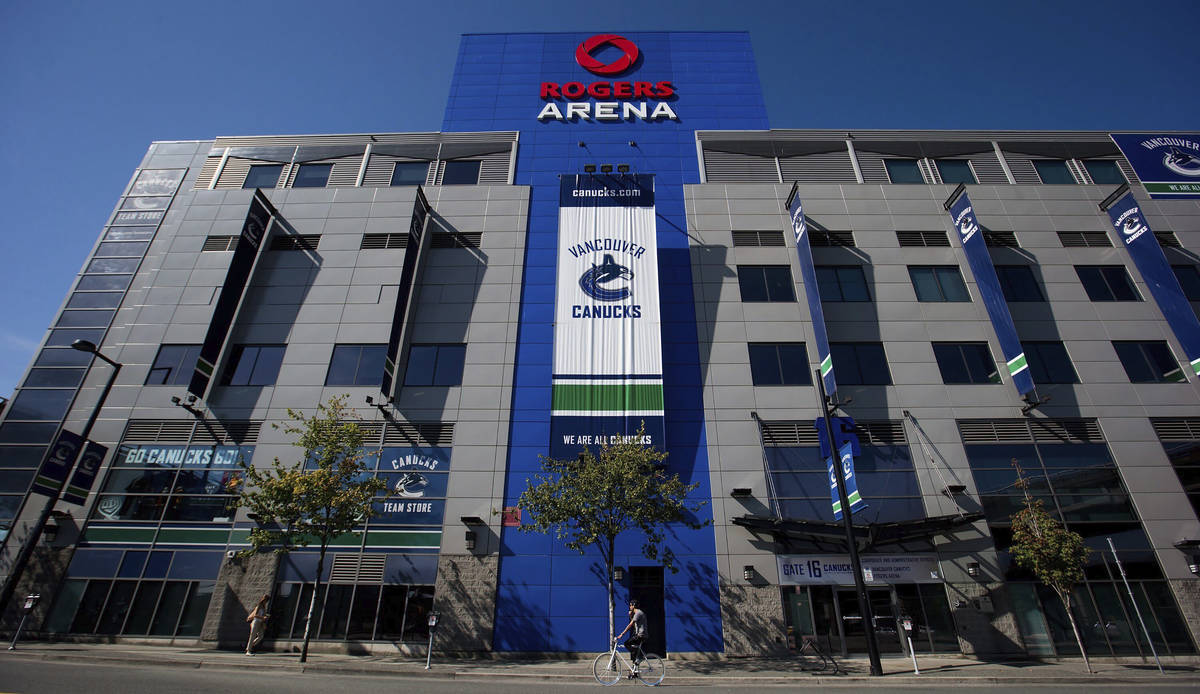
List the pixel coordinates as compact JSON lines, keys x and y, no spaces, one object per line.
{"x":816,"y":659}
{"x":649,"y":669}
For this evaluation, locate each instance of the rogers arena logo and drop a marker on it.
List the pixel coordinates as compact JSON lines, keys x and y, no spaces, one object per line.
{"x":1179,"y":155}
{"x":578,"y":95}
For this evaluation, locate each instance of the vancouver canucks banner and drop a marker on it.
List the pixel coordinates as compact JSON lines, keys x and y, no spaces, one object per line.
{"x":971,"y":237}
{"x":1164,"y":286}
{"x":415,"y":251}
{"x":85,"y":473}
{"x":846,"y":442}
{"x":607,"y":377}
{"x":1168,"y":164}
{"x":57,"y":463}
{"x":808,"y":274}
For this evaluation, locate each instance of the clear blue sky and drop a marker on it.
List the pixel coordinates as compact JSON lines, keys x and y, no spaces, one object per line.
{"x":86,"y":86}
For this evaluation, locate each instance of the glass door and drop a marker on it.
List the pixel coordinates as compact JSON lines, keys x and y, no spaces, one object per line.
{"x":886,"y":635}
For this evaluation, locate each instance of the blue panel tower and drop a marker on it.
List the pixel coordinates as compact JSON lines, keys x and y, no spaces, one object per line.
{"x":549,"y":598}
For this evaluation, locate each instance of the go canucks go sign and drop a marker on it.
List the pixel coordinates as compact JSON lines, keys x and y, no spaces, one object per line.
{"x":614,"y":101}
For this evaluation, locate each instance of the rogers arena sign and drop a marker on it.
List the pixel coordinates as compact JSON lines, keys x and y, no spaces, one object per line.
{"x":578,"y":95}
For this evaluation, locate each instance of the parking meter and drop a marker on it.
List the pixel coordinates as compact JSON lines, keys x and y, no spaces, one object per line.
{"x":432,"y":623}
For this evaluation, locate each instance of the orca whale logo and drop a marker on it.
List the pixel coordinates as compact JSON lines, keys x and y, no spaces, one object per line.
{"x":412,"y":485}
{"x":1181,"y":162}
{"x":608,"y":271}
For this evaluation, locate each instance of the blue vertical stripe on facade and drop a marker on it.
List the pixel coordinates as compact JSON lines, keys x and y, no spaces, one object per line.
{"x":550,"y":598}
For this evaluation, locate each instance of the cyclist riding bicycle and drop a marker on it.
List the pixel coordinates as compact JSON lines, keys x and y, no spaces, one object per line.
{"x":637,"y":622}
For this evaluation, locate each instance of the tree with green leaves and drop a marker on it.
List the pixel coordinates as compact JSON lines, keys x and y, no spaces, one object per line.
{"x":316,"y":500}
{"x":1055,"y":555}
{"x":590,"y":500}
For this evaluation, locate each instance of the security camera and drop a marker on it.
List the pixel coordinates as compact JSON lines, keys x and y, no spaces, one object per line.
{"x":175,"y":400}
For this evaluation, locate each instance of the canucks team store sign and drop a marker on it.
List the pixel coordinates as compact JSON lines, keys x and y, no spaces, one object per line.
{"x":607,"y":377}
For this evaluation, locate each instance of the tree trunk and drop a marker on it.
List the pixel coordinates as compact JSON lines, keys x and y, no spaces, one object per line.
{"x":1066,"y":601}
{"x":609,"y":560}
{"x":312,"y":606}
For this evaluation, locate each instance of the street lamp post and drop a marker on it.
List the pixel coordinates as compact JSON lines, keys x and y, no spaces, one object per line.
{"x":26,"y":553}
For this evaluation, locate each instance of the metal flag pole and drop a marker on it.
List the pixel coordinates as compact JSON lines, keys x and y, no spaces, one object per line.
{"x":1136,"y":610}
{"x":860,"y":587}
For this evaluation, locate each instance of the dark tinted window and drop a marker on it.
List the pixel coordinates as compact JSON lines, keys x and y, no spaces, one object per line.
{"x":1104,"y":171}
{"x":955,"y":170}
{"x":965,"y":362}
{"x":766,"y":283}
{"x":1189,"y":280}
{"x":410,"y":173}
{"x":1107,"y":283}
{"x":842,"y":283}
{"x":173,"y":365}
{"x":903,"y":171}
{"x":1018,"y":283}
{"x":1049,"y":362}
{"x":859,"y":363}
{"x":1053,"y":171}
{"x":253,"y":365}
{"x":40,"y":404}
{"x":435,"y":365}
{"x":1149,"y":362}
{"x":779,"y":364}
{"x":263,"y":176}
{"x":461,"y":172}
{"x":938,"y":283}
{"x":356,"y":365}
{"x":312,"y":176}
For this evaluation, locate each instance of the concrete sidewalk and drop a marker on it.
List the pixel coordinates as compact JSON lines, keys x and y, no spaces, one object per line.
{"x":743,"y":671}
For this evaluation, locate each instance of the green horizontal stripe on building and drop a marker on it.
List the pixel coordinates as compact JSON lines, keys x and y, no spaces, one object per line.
{"x":1172,"y":187}
{"x":193,"y":536}
{"x":119,"y":535}
{"x":607,"y":397}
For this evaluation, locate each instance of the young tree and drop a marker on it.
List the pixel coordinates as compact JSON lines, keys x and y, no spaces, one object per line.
{"x":1055,"y":555}
{"x":318,"y":499}
{"x":592,"y":499}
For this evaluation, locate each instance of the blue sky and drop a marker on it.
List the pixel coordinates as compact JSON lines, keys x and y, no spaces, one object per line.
{"x":87,"y":86}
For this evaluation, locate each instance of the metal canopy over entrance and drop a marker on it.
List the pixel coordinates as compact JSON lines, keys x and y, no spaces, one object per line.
{"x":827,"y":536}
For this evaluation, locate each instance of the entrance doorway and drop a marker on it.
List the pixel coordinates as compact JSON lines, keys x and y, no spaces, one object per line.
{"x":646,"y":586}
{"x":853,"y":628}
{"x":831,"y":615}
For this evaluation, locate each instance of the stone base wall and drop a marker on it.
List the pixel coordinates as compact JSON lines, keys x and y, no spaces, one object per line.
{"x":983,"y":631}
{"x":43,"y":576}
{"x":240,"y":585}
{"x":1187,"y":594}
{"x":752,"y":620}
{"x":465,"y":599}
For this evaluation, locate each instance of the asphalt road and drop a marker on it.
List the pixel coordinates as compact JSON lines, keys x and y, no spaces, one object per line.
{"x":33,"y":676}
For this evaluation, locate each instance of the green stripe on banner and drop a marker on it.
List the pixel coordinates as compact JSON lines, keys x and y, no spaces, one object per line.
{"x":827,"y":365}
{"x":607,"y":397}
{"x":389,"y":367}
{"x":204,"y":367}
{"x":1017,"y":364}
{"x":1196,"y":366}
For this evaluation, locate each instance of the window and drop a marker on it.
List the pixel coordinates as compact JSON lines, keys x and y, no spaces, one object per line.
{"x":435,"y":365}
{"x":174,"y":365}
{"x":1149,"y":362}
{"x":1189,"y":280}
{"x":955,"y":170}
{"x":1049,"y":363}
{"x":766,"y":283}
{"x":860,"y":363}
{"x":903,"y":171}
{"x":1053,"y":171}
{"x":356,"y":365}
{"x":264,"y":176}
{"x":886,"y":480}
{"x":410,"y":173}
{"x":938,"y":283}
{"x":253,"y":365}
{"x":842,"y":283}
{"x":1107,"y":283}
{"x":312,"y":176}
{"x":1018,"y":283}
{"x":461,"y":172}
{"x":779,"y":364}
{"x":965,"y":362}
{"x":1104,"y":171}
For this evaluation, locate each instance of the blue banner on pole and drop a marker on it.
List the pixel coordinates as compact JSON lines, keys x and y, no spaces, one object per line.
{"x":1156,"y":272}
{"x":57,"y":464}
{"x":85,"y":473}
{"x":808,"y":274}
{"x":1168,"y":164}
{"x":970,"y":235}
{"x":846,"y":454}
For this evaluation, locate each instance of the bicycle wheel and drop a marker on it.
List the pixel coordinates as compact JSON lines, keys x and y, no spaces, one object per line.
{"x":651,"y":670}
{"x":607,"y":669}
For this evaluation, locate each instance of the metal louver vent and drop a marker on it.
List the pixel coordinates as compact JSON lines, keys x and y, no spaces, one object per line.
{"x":295,"y":242}
{"x":494,"y":168}
{"x":244,"y":431}
{"x":383,"y":241}
{"x":758,"y":238}
{"x":1176,"y":428}
{"x":456,"y":239}
{"x":206,"y":173}
{"x":357,"y":568}
{"x":819,"y":167}
{"x":926,"y":239}
{"x":998,"y":239}
{"x":158,"y":430}
{"x":987,"y":168}
{"x":729,"y":167}
{"x":220,"y":243}
{"x":1084,"y":239}
{"x":882,"y":432}
{"x":234,"y":431}
{"x":1066,"y":430}
{"x":344,"y":171}
{"x":789,"y":433}
{"x":372,"y":432}
{"x":418,"y":434}
{"x":818,"y":238}
{"x":1025,"y":431}
{"x":1167,"y":239}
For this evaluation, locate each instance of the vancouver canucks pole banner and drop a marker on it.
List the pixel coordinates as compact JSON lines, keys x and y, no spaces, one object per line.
{"x":1168,"y":164}
{"x":808,"y":274}
{"x":846,"y":454}
{"x":607,"y":377}
{"x":85,"y":473}
{"x":971,"y":237}
{"x":57,"y":463}
{"x":1148,"y":256}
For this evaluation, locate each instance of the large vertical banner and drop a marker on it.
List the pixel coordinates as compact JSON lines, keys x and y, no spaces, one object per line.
{"x":57,"y":463}
{"x":410,"y":273}
{"x":970,"y":235}
{"x":607,"y":377}
{"x":808,"y":273}
{"x":1168,"y":164}
{"x":249,"y":249}
{"x":1148,"y":256}
{"x":85,"y":473}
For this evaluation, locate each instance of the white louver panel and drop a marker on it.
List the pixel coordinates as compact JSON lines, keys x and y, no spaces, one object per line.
{"x":422,"y":434}
{"x":494,"y":168}
{"x":822,"y":167}
{"x":1127,"y":170}
{"x":987,"y":168}
{"x":1025,"y":431}
{"x":344,"y":171}
{"x":726,"y":167}
{"x":207,"y":171}
{"x":929,"y":171}
{"x":244,"y":431}
{"x":1022,"y":169}
{"x":872,"y":167}
{"x":158,"y":430}
{"x":1176,"y":428}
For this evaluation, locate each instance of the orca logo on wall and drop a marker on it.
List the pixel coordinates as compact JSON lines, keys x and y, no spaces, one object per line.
{"x":412,"y":485}
{"x":1131,"y":225}
{"x":1181,"y":162}
{"x":608,"y":271}
{"x":629,"y":54}
{"x":967,"y":227}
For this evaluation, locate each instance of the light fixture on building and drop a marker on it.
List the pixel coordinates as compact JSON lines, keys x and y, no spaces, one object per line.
{"x":606,"y":168}
{"x":740,"y":492}
{"x":622,"y":168}
{"x":618,"y":573}
{"x":953,"y":490}
{"x":1191,"y":549}
{"x":748,"y":572}
{"x":470,"y":539}
{"x":589,"y":168}
{"x":50,"y":532}
{"x":973,"y":569}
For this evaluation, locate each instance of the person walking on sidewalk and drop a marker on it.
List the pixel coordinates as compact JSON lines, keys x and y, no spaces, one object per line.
{"x":258,"y":623}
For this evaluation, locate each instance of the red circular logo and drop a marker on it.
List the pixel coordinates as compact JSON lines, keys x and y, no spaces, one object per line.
{"x":583,"y":54}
